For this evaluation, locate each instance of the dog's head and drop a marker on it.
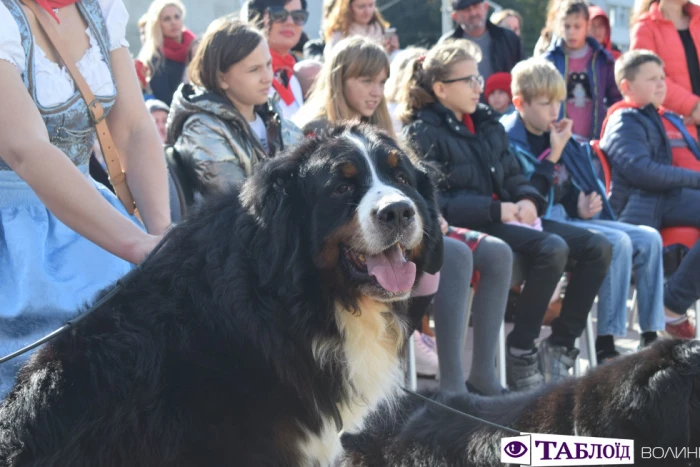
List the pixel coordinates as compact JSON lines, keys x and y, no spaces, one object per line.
{"x":354,"y":204}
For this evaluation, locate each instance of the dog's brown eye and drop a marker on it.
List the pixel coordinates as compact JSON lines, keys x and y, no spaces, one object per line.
{"x":343,"y":188}
{"x":401,"y":178}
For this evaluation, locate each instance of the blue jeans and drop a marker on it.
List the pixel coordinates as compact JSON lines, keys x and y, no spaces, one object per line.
{"x":637,"y":248}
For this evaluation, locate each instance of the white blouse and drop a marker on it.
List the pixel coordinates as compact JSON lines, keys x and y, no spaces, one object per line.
{"x":54,"y":85}
{"x":288,"y":111}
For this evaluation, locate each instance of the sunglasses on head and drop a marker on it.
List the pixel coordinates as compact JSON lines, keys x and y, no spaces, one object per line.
{"x":279,"y":14}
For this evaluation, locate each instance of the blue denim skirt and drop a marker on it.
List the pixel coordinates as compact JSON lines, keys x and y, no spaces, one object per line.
{"x":47,"y":271}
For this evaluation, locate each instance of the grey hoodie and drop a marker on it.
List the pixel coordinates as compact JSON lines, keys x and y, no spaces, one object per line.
{"x":216,"y":142}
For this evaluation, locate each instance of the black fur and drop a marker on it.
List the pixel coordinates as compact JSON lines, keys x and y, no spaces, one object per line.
{"x":204,"y":358}
{"x":651,"y":397}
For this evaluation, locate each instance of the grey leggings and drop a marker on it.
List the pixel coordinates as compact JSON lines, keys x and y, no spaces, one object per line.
{"x":493,"y":260}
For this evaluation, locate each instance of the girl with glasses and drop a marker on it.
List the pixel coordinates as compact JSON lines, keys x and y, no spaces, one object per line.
{"x":354,"y":18}
{"x":282,"y":22}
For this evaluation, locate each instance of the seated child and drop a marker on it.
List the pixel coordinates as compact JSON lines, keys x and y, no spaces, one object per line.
{"x":647,"y":189}
{"x":562,"y":169}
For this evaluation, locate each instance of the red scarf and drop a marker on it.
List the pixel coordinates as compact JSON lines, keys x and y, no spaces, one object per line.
{"x":283,"y":63}
{"x":469,"y":123}
{"x":49,"y":6}
{"x":177,"y":51}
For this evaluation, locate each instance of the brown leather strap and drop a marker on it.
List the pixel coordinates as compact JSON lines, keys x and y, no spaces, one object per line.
{"x":117,"y":177}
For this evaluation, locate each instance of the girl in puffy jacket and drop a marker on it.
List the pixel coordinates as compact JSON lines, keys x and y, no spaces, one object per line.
{"x":224,"y":123}
{"x":481,"y":186}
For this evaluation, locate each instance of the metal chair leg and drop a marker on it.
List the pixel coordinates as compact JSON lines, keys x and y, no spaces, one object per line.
{"x":633,"y":311}
{"x":411,"y":378}
{"x":590,"y":341}
{"x":697,"y":319}
{"x":501,"y":356}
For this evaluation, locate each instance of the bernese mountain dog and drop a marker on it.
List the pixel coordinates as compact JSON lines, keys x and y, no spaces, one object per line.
{"x":650,"y":396}
{"x":271,"y":320}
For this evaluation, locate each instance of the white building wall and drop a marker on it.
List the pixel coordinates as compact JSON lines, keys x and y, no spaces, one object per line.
{"x":619,"y":12}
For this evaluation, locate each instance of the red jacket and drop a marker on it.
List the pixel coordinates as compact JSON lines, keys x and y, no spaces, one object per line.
{"x":654,"y":32}
{"x":598,"y":12}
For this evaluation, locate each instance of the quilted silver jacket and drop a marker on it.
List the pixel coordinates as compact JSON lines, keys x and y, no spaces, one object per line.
{"x":215,"y":141}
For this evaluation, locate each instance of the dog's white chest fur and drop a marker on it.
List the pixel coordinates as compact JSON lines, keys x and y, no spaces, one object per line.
{"x":371,"y":345}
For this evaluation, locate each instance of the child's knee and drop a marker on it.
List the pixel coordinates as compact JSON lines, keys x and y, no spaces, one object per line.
{"x":553,"y":251}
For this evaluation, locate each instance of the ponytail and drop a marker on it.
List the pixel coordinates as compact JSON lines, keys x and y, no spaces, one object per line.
{"x":428,"y":69}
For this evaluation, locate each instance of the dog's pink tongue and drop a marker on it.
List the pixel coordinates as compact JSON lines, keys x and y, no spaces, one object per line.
{"x":391,"y":270}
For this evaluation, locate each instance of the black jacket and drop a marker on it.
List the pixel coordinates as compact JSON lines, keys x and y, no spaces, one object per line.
{"x":639,"y":152}
{"x":506,"y":49}
{"x":470,"y":169}
{"x":166,"y":79}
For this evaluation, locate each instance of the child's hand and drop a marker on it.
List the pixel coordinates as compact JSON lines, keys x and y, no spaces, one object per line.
{"x":444,"y":226}
{"x":589,"y":205}
{"x":528,"y":212}
{"x":560,"y":134}
{"x":509,"y":212}
{"x":694,"y":117}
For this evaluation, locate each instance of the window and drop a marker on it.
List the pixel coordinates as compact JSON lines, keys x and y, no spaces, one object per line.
{"x":623,"y":16}
{"x":613,"y":16}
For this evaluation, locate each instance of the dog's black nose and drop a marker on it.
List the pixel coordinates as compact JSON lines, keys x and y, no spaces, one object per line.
{"x":397,"y":214}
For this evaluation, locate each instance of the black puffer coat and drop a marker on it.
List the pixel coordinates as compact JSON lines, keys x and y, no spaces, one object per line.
{"x":472,"y":170}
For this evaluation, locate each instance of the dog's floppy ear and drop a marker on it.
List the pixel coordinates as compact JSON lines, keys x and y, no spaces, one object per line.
{"x":264,"y":193}
{"x":269,"y":197}
{"x":432,"y":233}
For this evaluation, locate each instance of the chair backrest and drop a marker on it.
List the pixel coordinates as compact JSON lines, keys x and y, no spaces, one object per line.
{"x":686,"y":236}
{"x":604,"y":163}
{"x":181,"y":196}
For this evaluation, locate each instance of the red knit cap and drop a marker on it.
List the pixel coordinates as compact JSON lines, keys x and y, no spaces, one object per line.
{"x":498,"y":81}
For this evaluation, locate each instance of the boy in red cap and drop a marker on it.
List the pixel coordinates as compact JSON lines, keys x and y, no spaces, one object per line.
{"x":497,"y":93}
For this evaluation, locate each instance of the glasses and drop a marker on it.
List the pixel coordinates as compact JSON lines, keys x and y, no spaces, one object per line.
{"x":475,"y":81}
{"x":279,"y":14}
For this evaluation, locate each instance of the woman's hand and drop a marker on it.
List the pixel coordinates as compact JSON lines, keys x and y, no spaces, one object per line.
{"x":143,"y":247}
